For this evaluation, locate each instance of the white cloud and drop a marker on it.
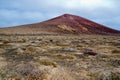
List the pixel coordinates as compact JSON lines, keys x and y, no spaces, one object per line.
{"x":66,"y":4}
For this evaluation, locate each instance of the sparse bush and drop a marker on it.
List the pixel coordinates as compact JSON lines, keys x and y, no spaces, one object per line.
{"x":115,"y":63}
{"x":116,"y":51}
{"x":3,"y":45}
{"x":65,"y":57}
{"x":31,"y":49}
{"x":2,"y":51}
{"x":105,"y":76}
{"x":59,"y":57}
{"x":115,"y":76}
{"x":35,"y":71}
{"x":26,"y":71}
{"x":48,"y":63}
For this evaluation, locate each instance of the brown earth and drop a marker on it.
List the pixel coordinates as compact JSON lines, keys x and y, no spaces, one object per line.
{"x":59,"y":57}
{"x":64,"y":24}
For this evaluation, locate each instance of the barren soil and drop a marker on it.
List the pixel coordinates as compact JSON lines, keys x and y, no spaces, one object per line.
{"x":59,"y":57}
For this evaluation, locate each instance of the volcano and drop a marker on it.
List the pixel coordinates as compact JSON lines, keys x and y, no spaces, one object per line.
{"x":64,"y":24}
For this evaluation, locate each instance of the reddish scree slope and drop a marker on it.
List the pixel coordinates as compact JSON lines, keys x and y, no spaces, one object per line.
{"x":65,"y":24}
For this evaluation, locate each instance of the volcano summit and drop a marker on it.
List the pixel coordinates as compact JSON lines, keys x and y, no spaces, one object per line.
{"x":64,"y":24}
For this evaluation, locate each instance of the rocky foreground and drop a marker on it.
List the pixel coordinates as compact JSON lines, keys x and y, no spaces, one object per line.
{"x":66,"y":57}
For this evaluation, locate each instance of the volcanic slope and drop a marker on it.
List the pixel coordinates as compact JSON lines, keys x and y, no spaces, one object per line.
{"x":64,"y":24}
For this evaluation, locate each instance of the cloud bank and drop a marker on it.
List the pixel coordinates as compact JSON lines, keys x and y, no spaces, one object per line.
{"x":19,"y":12}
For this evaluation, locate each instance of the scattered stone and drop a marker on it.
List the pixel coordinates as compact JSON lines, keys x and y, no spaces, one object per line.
{"x":70,"y":49}
{"x":90,"y":52}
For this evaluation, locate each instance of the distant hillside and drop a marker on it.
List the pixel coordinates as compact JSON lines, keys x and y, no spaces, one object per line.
{"x":64,"y":24}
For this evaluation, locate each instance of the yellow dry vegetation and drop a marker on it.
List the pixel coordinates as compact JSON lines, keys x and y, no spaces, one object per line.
{"x":65,"y":27}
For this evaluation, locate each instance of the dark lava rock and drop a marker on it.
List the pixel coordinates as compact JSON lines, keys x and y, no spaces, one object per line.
{"x":90,"y":52}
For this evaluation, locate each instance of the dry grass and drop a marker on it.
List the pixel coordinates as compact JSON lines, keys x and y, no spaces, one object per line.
{"x":47,"y":62}
{"x":65,"y":57}
{"x":116,"y":51}
{"x":59,"y":57}
{"x":35,"y":71}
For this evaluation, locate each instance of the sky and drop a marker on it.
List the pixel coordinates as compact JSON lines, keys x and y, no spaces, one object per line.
{"x":20,"y":12}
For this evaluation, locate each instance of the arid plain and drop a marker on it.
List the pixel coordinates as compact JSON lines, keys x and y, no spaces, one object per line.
{"x":59,"y":57}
